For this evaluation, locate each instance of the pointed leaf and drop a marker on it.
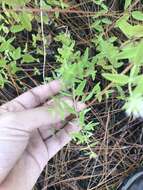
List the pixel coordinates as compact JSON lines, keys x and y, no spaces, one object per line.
{"x":116,"y":78}
{"x":138,"y":15}
{"x":28,"y":58}
{"x":25,"y":19}
{"x":16,"y":54}
{"x":80,"y":88}
{"x":16,"y":28}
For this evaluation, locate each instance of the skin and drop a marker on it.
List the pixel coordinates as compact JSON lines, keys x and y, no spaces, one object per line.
{"x":26,"y":141}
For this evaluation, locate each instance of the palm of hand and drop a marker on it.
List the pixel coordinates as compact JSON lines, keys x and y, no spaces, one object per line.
{"x":25,"y":135}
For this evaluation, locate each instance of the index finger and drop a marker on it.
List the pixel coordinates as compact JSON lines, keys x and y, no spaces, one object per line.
{"x":33,"y":97}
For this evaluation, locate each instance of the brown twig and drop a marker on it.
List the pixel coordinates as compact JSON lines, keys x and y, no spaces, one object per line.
{"x":54,"y":10}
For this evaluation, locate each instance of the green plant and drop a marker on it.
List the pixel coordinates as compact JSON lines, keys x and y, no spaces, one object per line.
{"x":76,"y":67}
{"x":74,"y":70}
{"x":112,"y":54}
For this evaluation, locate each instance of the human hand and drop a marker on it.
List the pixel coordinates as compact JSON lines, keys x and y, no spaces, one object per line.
{"x":26,"y":140}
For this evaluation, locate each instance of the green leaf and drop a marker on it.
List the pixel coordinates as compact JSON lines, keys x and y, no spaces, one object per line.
{"x":80,"y":88}
{"x":25,"y":19}
{"x":90,"y":126}
{"x":13,"y":67}
{"x":57,"y":3}
{"x":129,"y":30}
{"x":134,"y":71}
{"x":36,"y":71}
{"x":16,"y":54}
{"x":77,"y":136}
{"x":124,"y":26}
{"x":138,"y":15}
{"x":84,"y":58}
{"x":16,"y":28}
{"x":106,"y":21}
{"x":28,"y":58}
{"x":92,"y":155}
{"x":127,"y":3}
{"x":108,"y":50}
{"x":137,"y":31}
{"x":3,"y":63}
{"x":15,"y":2}
{"x":139,"y":87}
{"x":127,"y":53}
{"x":2,"y":81}
{"x":6,"y":45}
{"x":116,"y":78}
{"x":132,"y":52}
{"x":138,"y":54}
{"x":97,"y":25}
